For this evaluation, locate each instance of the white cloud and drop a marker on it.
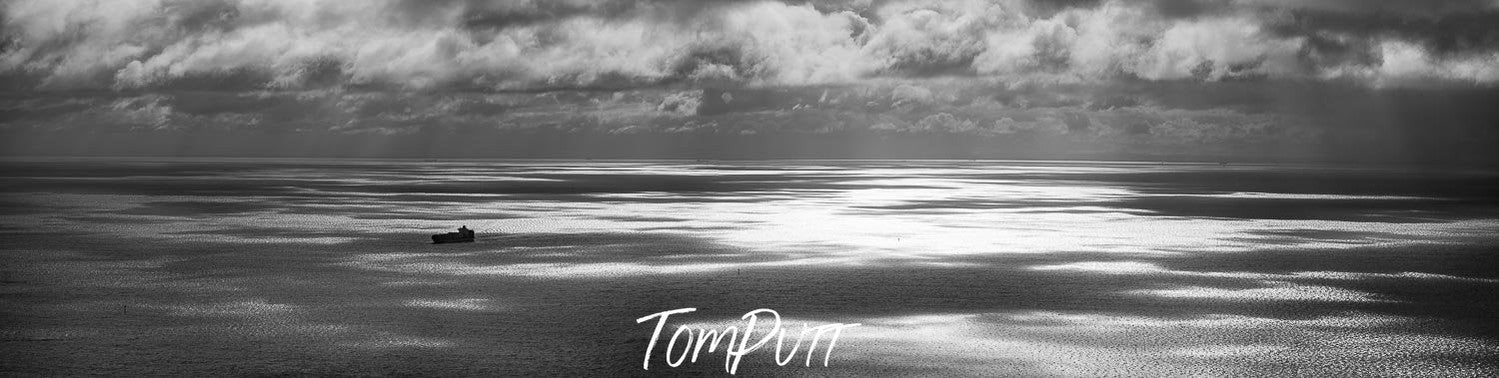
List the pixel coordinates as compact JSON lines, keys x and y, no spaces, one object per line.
{"x":1407,"y":62}
{"x":1213,"y":47}
{"x":1039,"y":46}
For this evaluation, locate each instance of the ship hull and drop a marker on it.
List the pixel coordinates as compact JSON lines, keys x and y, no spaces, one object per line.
{"x":449,"y":238}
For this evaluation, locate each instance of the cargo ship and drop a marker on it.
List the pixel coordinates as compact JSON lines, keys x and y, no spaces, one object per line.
{"x":464,"y":235}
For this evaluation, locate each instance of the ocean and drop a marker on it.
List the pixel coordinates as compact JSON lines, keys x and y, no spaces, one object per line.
{"x":182,"y":266}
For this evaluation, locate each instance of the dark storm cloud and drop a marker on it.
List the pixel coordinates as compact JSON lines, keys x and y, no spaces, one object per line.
{"x":1459,"y":34}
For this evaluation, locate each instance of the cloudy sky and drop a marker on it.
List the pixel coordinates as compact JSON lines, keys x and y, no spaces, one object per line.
{"x":1254,"y":80}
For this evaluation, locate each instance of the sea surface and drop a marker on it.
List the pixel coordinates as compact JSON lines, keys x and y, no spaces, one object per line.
{"x":993,"y":268}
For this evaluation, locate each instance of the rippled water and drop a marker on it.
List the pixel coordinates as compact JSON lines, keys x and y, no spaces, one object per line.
{"x":952,"y":267}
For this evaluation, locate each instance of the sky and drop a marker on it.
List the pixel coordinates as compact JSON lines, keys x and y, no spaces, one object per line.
{"x":1387,"y":81}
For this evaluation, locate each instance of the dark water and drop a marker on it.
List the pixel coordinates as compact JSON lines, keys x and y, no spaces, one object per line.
{"x":256,"y":267}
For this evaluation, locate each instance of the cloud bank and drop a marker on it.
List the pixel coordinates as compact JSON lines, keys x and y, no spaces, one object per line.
{"x":527,"y":45}
{"x":1270,"y":80}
